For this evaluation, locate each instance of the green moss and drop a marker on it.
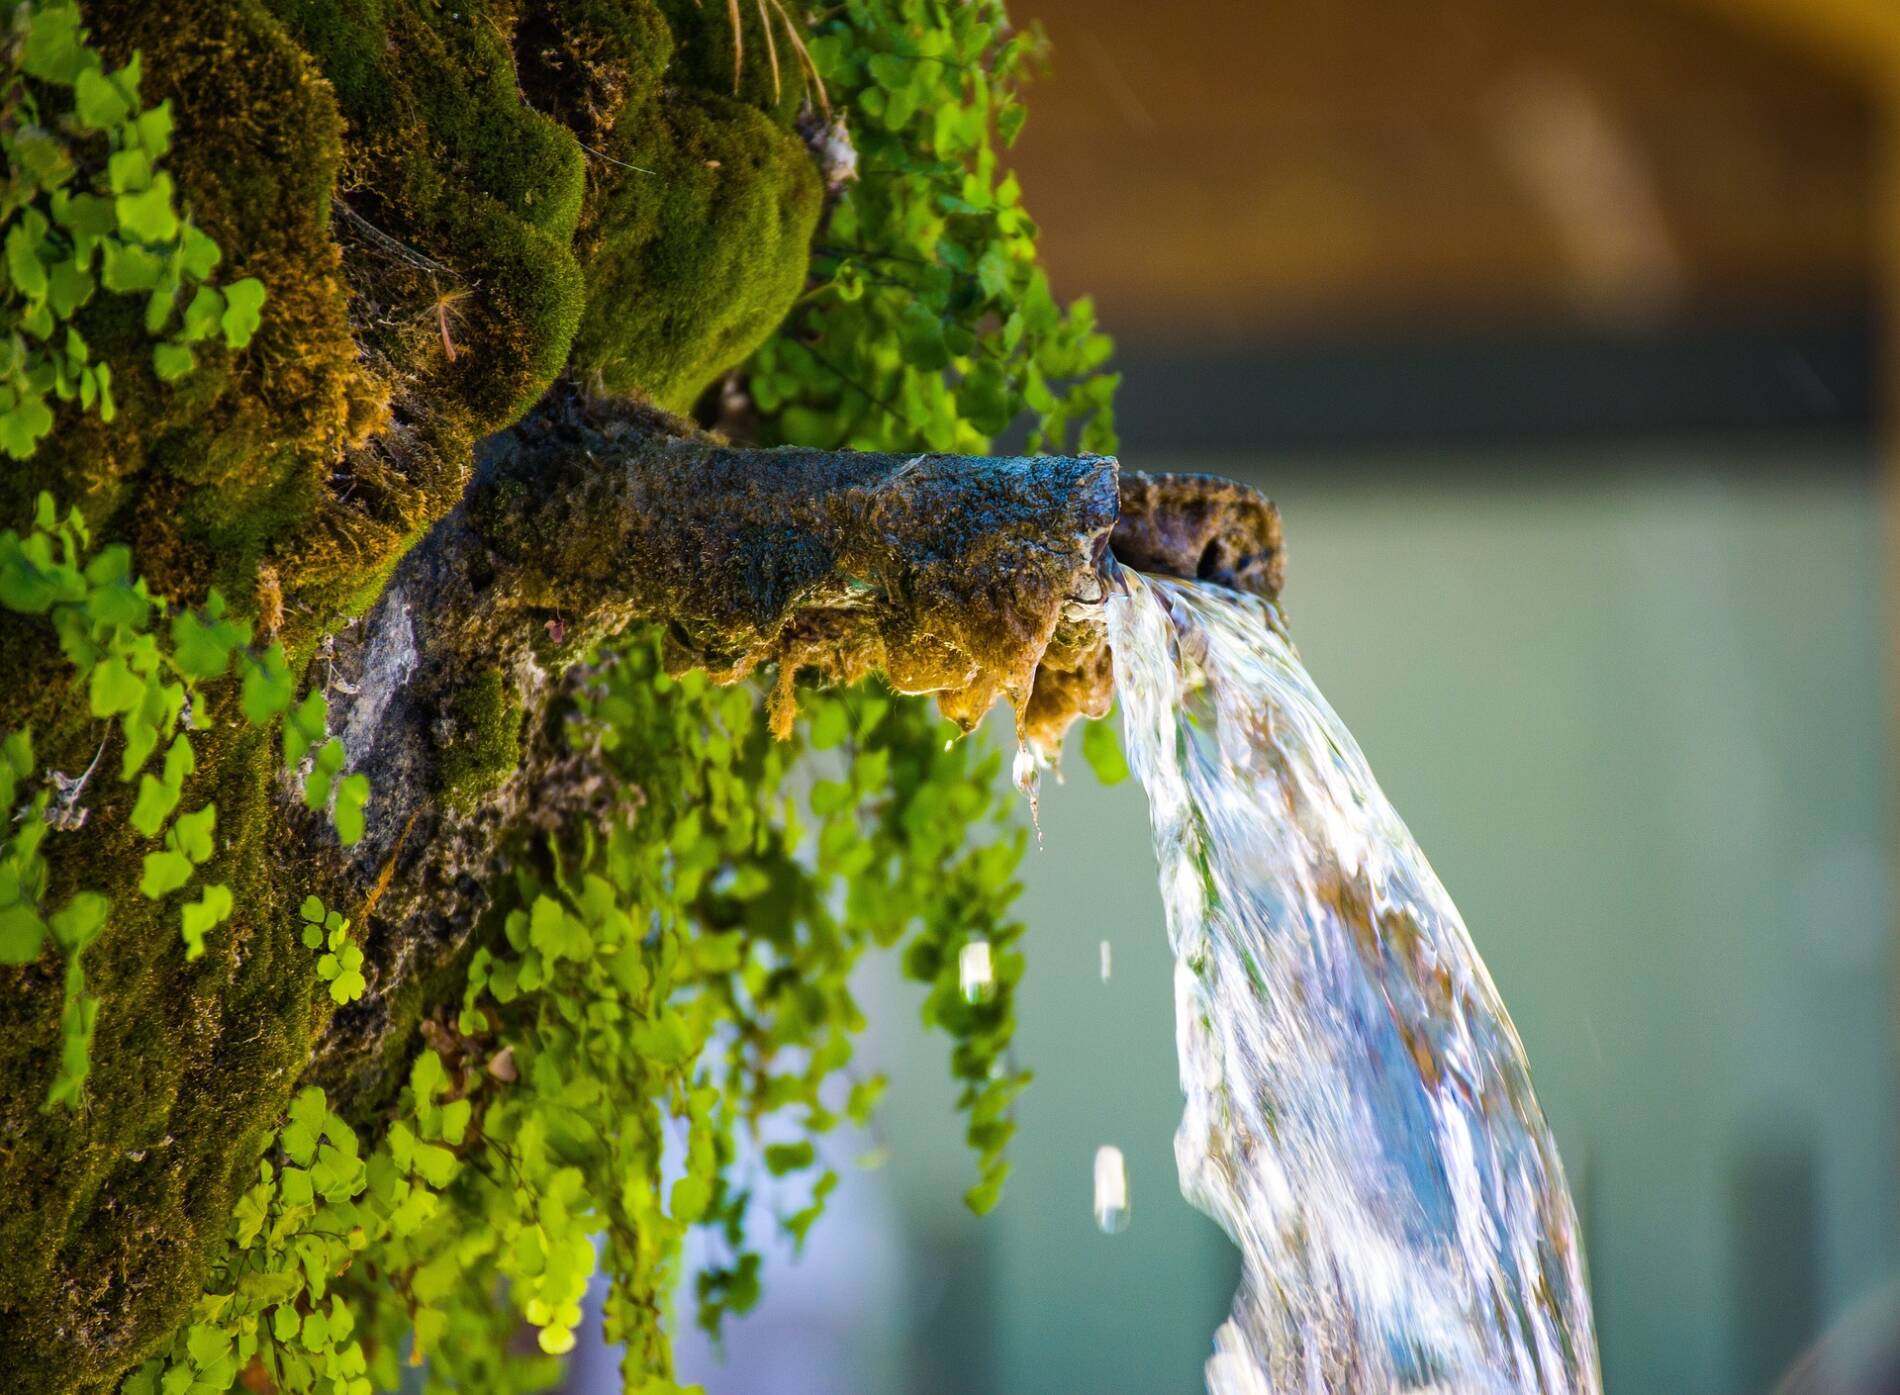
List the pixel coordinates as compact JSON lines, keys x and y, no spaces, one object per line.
{"x":461,"y":204}
{"x":192,"y":1063}
{"x":703,"y":39}
{"x":697,"y":226}
{"x":691,"y":267}
{"x":431,"y":244}
{"x":111,"y":1208}
{"x":485,"y":747}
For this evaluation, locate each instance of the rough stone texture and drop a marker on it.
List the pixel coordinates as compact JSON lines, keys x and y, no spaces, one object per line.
{"x":1200,"y":527}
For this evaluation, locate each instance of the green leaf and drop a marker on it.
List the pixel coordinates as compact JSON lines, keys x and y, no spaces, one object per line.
{"x":666,"y":1042}
{"x":267,"y":686}
{"x":78,"y":923}
{"x":294,"y":1187}
{"x":86,"y":216}
{"x":455,"y":1121}
{"x":17,"y":750}
{"x":305,"y":727}
{"x":164,"y":873}
{"x":69,"y":286}
{"x":147,"y":213}
{"x":200,"y":252}
{"x":172,"y":361}
{"x":690,"y":1197}
{"x":155,"y":130}
{"x":23,"y":425}
{"x":54,"y":52}
{"x":98,"y":103}
{"x":200,"y":916}
{"x":781,"y":1158}
{"x":244,"y":306}
{"x":1102,"y":748}
{"x":24,"y":241}
{"x":556,"y":933}
{"x":22,"y":933}
{"x":202,"y":314}
{"x":126,"y":267}
{"x":436,"y":1164}
{"x":208,"y":1345}
{"x":154,"y":805}
{"x":128,"y":172}
{"x":202,"y":646}
{"x":191,"y":835}
{"x":316,"y":786}
{"x":114,"y":688}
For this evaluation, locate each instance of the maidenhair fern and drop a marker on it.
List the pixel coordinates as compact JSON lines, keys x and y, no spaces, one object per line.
{"x":87,"y":205}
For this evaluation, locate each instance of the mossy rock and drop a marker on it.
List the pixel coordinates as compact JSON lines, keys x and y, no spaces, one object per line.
{"x":485,"y":746}
{"x":705,"y":303}
{"x":431,"y":245}
{"x":437,"y":250}
{"x":698,"y":222}
{"x":209,"y":476}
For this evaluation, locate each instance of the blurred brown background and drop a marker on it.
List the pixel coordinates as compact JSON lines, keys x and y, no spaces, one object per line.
{"x":1315,"y":166}
{"x":1550,"y":196}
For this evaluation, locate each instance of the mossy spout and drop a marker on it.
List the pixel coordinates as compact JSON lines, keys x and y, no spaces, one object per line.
{"x":973,"y":578}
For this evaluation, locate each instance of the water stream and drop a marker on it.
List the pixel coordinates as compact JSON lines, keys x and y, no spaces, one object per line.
{"x":1359,"y":1112}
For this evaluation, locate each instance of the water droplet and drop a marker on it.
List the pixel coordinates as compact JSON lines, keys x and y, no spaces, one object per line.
{"x":949,"y":743}
{"x":1027,"y":774}
{"x":1108,"y":961}
{"x":975,"y":973}
{"x":1111,"y":1190}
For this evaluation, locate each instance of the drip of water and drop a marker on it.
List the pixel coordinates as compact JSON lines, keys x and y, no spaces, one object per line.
{"x":976,"y":973}
{"x":1108,"y":960}
{"x":1111,"y":1190}
{"x":1359,"y":1112}
{"x":1026,"y":771}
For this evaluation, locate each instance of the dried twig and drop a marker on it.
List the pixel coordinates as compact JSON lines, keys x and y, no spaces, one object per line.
{"x":804,"y":55}
{"x":771,"y":50}
{"x":384,"y":242}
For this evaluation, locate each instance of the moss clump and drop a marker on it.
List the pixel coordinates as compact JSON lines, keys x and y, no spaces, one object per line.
{"x":431,"y":245}
{"x":457,"y":205}
{"x":485,"y":747}
{"x":211,"y":475}
{"x":697,"y":226}
{"x":710,"y":249}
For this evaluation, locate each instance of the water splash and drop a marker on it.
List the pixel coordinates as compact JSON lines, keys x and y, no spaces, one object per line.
{"x":976,"y":972}
{"x":1359,"y":1112}
{"x":1111,"y":1190}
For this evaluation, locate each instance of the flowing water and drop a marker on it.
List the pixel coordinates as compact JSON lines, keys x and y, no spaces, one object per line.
{"x":1359,"y":1112}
